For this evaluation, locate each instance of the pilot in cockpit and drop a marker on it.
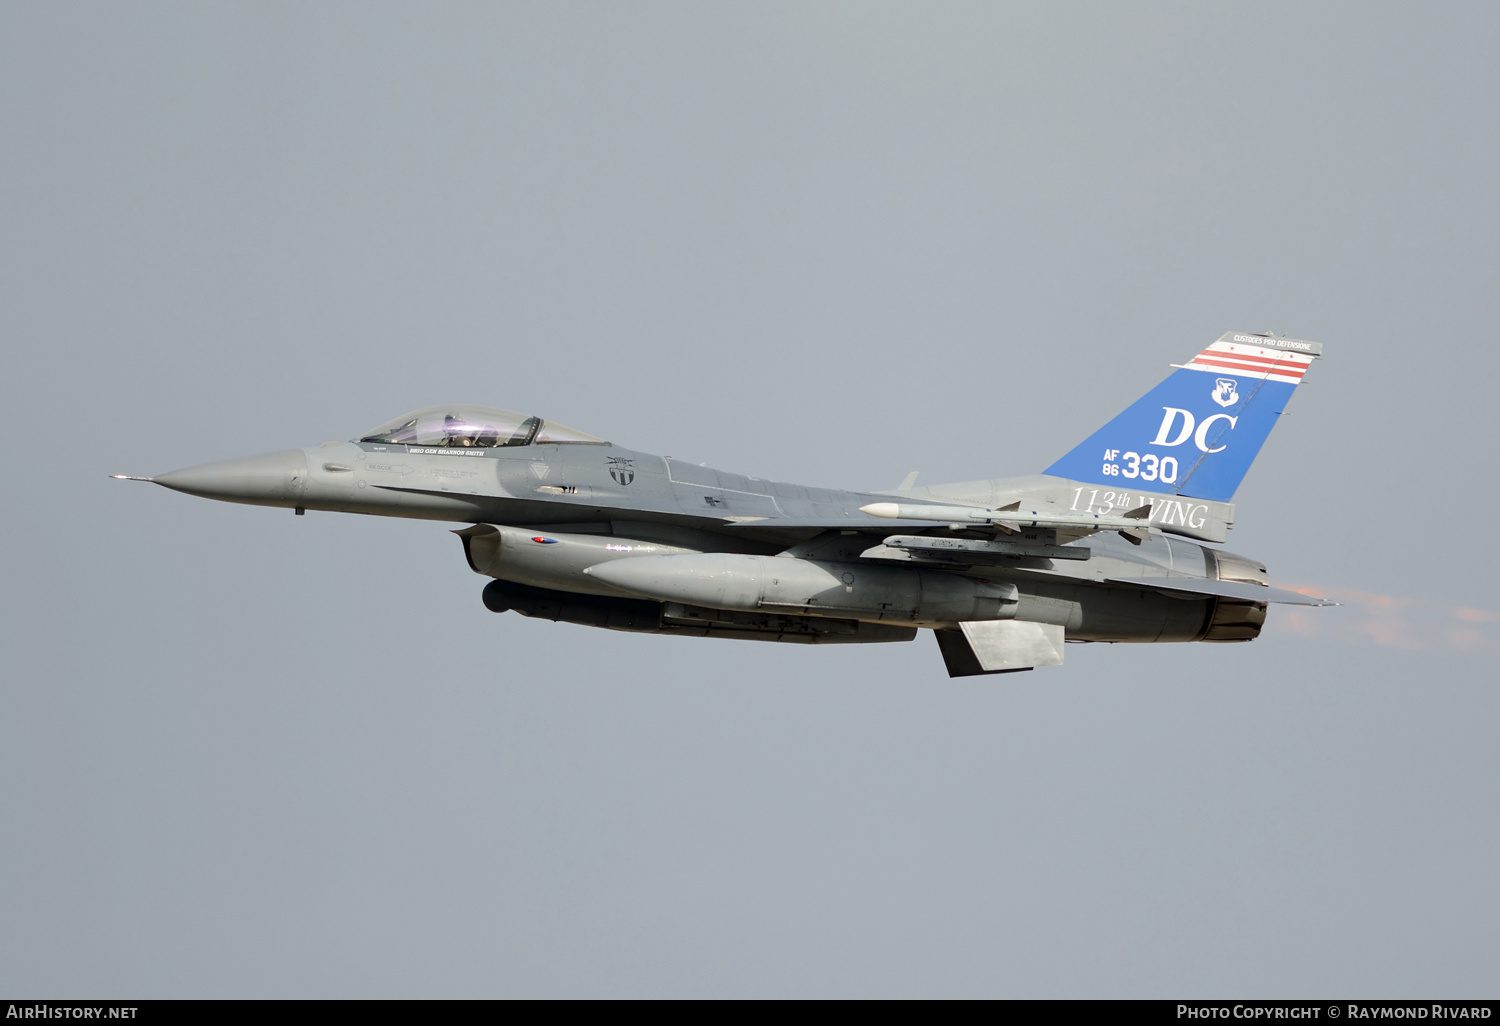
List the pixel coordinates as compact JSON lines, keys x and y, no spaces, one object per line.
{"x":459,"y":433}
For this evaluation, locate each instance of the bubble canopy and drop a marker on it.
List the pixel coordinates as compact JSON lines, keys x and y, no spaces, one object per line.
{"x":475,"y":427}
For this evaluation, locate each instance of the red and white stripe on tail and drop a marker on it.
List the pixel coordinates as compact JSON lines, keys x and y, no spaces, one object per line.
{"x":1244,"y":358}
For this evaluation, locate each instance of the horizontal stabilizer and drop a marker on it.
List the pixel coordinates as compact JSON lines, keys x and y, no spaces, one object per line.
{"x":1224,"y":589}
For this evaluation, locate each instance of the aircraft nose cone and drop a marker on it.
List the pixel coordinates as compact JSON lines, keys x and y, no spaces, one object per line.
{"x":272,"y":479}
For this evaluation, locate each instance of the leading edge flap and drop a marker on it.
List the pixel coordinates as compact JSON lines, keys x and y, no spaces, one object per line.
{"x":1197,"y":432}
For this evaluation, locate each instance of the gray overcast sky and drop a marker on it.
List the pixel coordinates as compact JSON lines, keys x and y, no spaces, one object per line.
{"x":247,"y":754}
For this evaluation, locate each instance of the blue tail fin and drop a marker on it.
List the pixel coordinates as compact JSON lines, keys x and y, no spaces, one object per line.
{"x":1197,"y":432}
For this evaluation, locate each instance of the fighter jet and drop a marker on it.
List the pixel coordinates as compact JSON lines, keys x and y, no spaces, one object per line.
{"x":1105,"y":545}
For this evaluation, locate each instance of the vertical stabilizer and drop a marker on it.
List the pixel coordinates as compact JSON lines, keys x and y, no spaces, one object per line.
{"x":1197,"y":432}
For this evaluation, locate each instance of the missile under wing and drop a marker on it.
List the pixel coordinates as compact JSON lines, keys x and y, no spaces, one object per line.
{"x":1117,"y":541}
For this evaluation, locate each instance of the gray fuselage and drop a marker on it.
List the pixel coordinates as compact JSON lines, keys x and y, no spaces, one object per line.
{"x":545,"y":514}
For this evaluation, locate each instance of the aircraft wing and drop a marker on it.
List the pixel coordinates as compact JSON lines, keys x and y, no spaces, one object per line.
{"x":972,"y":552}
{"x":1223,"y":589}
{"x":852,"y":523}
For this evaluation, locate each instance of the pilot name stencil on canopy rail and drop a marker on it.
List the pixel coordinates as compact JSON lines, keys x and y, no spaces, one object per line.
{"x":573,"y":528}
